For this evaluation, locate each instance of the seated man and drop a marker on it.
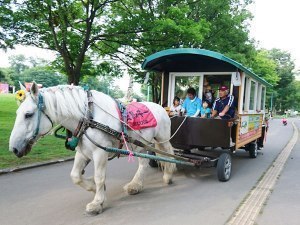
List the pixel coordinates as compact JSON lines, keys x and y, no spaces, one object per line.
{"x":223,"y":106}
{"x":192,"y":104}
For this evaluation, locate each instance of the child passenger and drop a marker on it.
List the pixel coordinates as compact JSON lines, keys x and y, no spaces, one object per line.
{"x":206,"y":109}
{"x":175,"y":107}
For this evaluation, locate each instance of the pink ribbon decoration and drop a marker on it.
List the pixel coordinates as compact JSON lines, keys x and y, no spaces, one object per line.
{"x":131,"y":155}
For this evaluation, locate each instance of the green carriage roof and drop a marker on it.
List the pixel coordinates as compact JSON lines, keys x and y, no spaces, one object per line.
{"x":194,"y":60}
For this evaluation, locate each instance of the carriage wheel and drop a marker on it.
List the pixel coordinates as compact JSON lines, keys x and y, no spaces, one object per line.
{"x":252,"y":149}
{"x":224,"y":167}
{"x":152,"y":163}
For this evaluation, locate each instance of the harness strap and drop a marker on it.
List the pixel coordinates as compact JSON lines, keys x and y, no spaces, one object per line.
{"x":41,"y":108}
{"x":90,"y":104}
{"x":87,"y":121}
{"x":123,"y":116}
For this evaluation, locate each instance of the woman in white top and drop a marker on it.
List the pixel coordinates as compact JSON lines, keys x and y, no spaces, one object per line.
{"x":175,"y":107}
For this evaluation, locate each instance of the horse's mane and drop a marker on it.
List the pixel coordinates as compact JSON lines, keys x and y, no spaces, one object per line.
{"x":64,"y":101}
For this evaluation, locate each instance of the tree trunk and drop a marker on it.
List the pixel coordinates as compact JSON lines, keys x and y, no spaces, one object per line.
{"x":129,"y":97}
{"x":155,"y":89}
{"x":73,"y":77}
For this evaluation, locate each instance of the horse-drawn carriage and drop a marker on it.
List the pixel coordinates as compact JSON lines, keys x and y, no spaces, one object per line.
{"x":185,"y":67}
{"x":99,"y":125}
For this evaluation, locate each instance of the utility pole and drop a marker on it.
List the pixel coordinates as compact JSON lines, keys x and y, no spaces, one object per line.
{"x":129,"y":93}
{"x":271,"y":105}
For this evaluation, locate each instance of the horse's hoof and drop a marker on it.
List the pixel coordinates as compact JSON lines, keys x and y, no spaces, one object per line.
{"x":133,"y":188}
{"x":94,"y":208}
{"x":167,"y":179}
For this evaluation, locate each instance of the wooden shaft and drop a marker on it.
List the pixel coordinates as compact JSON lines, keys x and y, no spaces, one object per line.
{"x":149,"y":148}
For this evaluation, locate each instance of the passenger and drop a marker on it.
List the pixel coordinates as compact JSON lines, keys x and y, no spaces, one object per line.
{"x":175,"y":107}
{"x":223,"y":106}
{"x":208,"y":96}
{"x":206,"y":109}
{"x":192,"y":104}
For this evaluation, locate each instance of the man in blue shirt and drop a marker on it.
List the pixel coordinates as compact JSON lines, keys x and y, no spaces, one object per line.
{"x":223,"y":106}
{"x":192,"y":104}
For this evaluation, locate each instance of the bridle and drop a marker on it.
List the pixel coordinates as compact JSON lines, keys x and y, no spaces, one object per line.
{"x":41,"y":107}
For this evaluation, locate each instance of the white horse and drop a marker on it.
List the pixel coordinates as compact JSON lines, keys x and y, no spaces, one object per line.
{"x":65,"y":105}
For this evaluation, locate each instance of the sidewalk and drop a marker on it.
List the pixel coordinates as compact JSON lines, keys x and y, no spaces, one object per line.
{"x":283,"y":206}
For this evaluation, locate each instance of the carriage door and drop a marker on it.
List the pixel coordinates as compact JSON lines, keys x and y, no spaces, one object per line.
{"x":180,"y":82}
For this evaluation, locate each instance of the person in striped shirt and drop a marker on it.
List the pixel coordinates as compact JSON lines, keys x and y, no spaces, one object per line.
{"x":223,"y":106}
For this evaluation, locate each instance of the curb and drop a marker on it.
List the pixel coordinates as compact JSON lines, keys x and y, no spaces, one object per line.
{"x":35,"y":165}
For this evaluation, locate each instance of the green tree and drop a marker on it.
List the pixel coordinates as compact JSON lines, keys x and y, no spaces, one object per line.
{"x":43,"y":75}
{"x":129,"y":30}
{"x":2,"y":76}
{"x":101,"y":77}
{"x":219,"y":25}
{"x":28,"y":69}
{"x":264,"y":66}
{"x":228,"y":27}
{"x":285,"y":87}
{"x":5,"y":76}
{"x":296,"y":96}
{"x":75,"y":28}
{"x":68,"y":27}
{"x":103,"y":84}
{"x":6,"y":25}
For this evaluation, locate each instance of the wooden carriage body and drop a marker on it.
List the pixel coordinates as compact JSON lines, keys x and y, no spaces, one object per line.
{"x":184,"y":67}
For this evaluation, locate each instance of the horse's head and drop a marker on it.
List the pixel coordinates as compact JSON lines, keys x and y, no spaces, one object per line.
{"x":31,"y":122}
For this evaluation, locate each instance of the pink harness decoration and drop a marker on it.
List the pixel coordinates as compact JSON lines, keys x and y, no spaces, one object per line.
{"x":139,"y":116}
{"x":131,"y":155}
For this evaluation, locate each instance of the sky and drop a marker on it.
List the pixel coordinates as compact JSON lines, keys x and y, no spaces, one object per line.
{"x":275,"y":25}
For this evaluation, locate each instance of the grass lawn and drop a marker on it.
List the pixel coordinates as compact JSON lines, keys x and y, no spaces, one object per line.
{"x":47,"y":148}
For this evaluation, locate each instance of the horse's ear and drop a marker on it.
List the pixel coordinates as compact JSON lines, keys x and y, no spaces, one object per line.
{"x":34,"y":90}
{"x":22,"y":86}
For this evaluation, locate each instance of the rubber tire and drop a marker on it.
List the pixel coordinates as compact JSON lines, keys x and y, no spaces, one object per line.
{"x":153,"y":163}
{"x":252,"y":149}
{"x":224,"y":167}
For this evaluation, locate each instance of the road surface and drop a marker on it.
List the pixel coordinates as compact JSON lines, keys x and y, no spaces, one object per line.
{"x":46,"y":195}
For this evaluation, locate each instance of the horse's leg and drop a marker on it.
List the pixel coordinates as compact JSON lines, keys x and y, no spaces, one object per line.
{"x":80,"y":163}
{"x":136,"y":184}
{"x":168,"y":168}
{"x":100,"y":165}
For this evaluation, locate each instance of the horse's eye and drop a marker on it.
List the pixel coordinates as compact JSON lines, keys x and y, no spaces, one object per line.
{"x":28,"y":115}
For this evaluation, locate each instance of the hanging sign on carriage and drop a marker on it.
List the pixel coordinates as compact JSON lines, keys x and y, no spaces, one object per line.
{"x":236,"y":79}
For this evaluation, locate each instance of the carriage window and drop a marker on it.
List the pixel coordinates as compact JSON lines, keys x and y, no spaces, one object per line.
{"x":182,"y":83}
{"x":252,"y":95}
{"x":263,"y":94}
{"x":211,"y":83}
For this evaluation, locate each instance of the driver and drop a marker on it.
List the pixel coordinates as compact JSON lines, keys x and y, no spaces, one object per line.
{"x":223,"y":106}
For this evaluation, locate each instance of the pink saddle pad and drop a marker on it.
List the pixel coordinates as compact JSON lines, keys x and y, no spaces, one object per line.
{"x":139,"y":116}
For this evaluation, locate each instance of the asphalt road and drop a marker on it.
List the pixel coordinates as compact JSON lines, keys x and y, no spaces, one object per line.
{"x":283,"y":206}
{"x":46,"y":195}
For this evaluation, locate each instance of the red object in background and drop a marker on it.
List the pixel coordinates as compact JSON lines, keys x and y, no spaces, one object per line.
{"x":28,"y":86}
{"x":4,"y":88}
